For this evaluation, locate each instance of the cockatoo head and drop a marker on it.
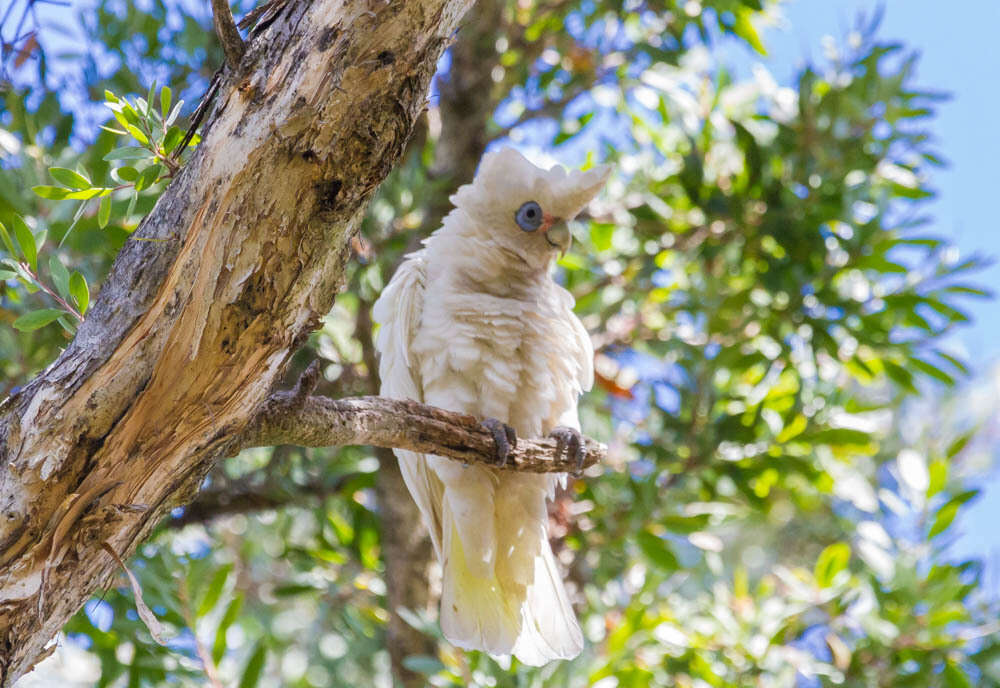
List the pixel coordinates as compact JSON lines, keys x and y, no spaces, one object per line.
{"x":523,"y":208}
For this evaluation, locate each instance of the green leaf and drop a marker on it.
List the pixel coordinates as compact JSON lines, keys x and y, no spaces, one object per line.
{"x":148,"y":177}
{"x":173,"y":137}
{"x":87,"y":194}
{"x":36,"y":319}
{"x":104,"y":212}
{"x":128,"y":153}
{"x":959,"y":443}
{"x":26,"y":241}
{"x":232,"y":611}
{"x":150,"y":94}
{"x":165,"y":96}
{"x":214,"y":590}
{"x":840,"y":436}
{"x":137,"y":133}
{"x":7,"y":242}
{"x":744,"y":28}
{"x":955,"y":677}
{"x":70,"y":178}
{"x":938,"y":471}
{"x":900,"y":375}
{"x":60,"y":276}
{"x":657,"y":551}
{"x":932,"y":371}
{"x":53,"y":193}
{"x":79,"y":290}
{"x":831,"y":561}
{"x":131,"y":204}
{"x":601,"y":234}
{"x":127,"y":173}
{"x":255,"y":666}
{"x":174,"y":113}
{"x":423,"y":664}
{"x":945,"y":515}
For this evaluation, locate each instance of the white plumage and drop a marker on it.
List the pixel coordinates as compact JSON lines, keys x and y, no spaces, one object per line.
{"x":474,"y":323}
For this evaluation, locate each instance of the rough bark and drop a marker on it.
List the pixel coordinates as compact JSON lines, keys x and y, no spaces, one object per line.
{"x":203,"y":307}
{"x":287,"y":418}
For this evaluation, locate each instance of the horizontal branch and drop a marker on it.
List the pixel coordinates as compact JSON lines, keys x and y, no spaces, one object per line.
{"x":312,"y":421}
{"x":243,"y":498}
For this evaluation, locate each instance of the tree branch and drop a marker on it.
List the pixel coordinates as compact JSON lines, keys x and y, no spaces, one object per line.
{"x":285,"y":418}
{"x":229,"y":35}
{"x":243,"y":498}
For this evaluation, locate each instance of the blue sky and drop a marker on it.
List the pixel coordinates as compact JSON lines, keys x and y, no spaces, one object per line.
{"x":959,"y":54}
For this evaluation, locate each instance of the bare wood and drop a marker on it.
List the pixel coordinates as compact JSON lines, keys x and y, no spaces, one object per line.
{"x":397,"y":424}
{"x":229,"y":35}
{"x":235,"y":265}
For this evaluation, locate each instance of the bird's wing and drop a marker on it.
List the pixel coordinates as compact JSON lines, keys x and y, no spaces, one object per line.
{"x":398,"y":311}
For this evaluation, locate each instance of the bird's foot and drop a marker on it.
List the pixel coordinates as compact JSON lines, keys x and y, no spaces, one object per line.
{"x":504,"y":439}
{"x":570,"y":440}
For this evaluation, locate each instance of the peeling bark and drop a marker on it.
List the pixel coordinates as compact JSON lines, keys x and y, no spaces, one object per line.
{"x":205,"y":304}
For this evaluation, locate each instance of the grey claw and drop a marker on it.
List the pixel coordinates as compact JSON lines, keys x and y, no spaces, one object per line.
{"x":504,"y":439}
{"x":571,"y":441}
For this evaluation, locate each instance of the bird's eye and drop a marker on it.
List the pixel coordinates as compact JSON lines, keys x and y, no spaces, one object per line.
{"x":529,"y":216}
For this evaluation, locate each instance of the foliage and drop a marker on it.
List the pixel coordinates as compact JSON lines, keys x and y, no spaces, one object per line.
{"x":767,"y":305}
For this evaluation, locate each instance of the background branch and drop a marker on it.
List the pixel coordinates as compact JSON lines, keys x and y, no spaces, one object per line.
{"x":242,"y":498}
{"x":229,"y":35}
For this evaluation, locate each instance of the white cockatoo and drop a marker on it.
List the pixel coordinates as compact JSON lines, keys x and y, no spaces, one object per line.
{"x":475,"y":323}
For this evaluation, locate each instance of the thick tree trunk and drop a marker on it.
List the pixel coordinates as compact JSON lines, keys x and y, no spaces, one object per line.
{"x":232,"y":269}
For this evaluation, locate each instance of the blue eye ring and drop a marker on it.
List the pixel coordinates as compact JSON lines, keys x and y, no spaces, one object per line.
{"x":529,"y":216}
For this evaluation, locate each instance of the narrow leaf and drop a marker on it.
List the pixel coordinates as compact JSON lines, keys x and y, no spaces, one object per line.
{"x":165,"y":95}
{"x":53,"y":193}
{"x":128,"y":153}
{"x":255,"y":667}
{"x":79,"y":290}
{"x":657,"y":551}
{"x":60,"y":276}
{"x":70,"y":178}
{"x":214,"y":591}
{"x":137,"y":134}
{"x":104,"y":212}
{"x":37,"y":319}
{"x":8,"y":244}
{"x":830,"y":562}
{"x":26,"y":241}
{"x":232,"y":611}
{"x":174,"y":113}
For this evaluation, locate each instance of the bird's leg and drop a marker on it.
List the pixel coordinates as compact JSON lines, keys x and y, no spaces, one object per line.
{"x":571,"y":440}
{"x":504,"y":439}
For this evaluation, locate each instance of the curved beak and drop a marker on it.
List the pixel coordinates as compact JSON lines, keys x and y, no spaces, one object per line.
{"x":557,"y":233}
